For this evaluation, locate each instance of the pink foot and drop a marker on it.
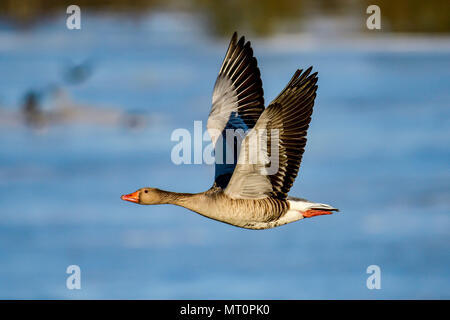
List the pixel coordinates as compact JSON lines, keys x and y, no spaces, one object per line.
{"x":313,"y":212}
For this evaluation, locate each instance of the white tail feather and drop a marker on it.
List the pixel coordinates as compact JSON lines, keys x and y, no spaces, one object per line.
{"x":303,"y":205}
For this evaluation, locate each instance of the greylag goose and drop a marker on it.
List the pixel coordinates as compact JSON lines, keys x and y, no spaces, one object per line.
{"x":248,"y":192}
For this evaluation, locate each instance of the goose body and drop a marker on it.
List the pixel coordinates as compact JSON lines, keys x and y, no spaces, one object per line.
{"x":251,"y":191}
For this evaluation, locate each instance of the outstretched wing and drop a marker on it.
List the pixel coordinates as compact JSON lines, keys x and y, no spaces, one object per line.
{"x":271,"y":153}
{"x":237,"y":103}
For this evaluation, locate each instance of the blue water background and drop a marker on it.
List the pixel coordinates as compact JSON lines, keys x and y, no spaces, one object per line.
{"x":378,"y":149}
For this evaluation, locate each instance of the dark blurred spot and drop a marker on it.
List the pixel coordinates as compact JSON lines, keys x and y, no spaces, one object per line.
{"x":31,"y":109}
{"x":79,"y":73}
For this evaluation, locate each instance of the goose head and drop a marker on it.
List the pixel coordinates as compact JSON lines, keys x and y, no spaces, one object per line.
{"x":145,"y":196}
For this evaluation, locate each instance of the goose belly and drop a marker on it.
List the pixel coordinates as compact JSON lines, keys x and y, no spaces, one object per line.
{"x":249,"y":214}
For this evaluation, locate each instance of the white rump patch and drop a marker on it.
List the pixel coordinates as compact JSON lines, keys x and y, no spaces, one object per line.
{"x":305,"y":205}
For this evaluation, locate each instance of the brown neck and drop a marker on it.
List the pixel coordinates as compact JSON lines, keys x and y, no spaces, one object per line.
{"x":196,"y":202}
{"x":180,"y":199}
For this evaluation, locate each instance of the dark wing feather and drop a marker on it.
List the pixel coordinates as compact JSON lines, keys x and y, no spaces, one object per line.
{"x":292,"y":111}
{"x":238,"y":101}
{"x":288,"y":116}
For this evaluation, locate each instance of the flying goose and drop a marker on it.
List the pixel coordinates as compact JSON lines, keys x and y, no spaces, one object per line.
{"x":247,"y":192}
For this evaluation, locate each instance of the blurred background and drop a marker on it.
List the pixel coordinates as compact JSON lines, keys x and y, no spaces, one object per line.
{"x":86,"y":115}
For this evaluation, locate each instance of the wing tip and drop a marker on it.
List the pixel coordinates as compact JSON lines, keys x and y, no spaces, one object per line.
{"x":241,"y":42}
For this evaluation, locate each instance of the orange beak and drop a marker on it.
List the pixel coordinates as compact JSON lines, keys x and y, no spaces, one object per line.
{"x":132,"y":197}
